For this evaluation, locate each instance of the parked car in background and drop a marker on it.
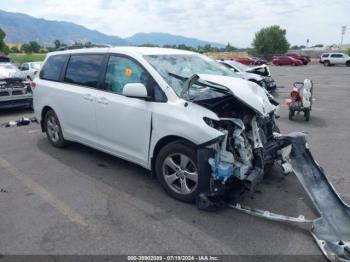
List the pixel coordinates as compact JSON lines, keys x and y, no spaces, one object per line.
{"x":286,"y":60}
{"x":4,"y":59}
{"x":329,"y":59}
{"x":14,"y":90}
{"x":259,"y":74}
{"x":304,"y":59}
{"x":251,"y":61}
{"x":245,"y":60}
{"x":29,"y":70}
{"x":259,"y":61}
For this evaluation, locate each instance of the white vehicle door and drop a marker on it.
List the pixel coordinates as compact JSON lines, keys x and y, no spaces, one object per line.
{"x":124,"y":123}
{"x":336,"y":58}
{"x":77,"y":96}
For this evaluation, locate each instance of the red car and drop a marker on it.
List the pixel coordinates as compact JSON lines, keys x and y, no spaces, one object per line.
{"x":245,"y":60}
{"x":251,"y":61}
{"x":259,"y":61}
{"x":286,"y":60}
{"x":304,"y":59}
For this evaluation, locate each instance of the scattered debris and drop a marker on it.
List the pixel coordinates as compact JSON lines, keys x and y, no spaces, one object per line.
{"x":24,"y":121}
{"x":2,"y":190}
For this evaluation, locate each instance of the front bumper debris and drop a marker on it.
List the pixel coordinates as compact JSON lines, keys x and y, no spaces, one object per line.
{"x":331,"y":230}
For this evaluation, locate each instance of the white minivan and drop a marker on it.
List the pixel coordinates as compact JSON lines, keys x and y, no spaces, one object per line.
{"x":185,"y":117}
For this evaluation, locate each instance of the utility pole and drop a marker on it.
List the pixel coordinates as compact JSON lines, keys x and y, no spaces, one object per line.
{"x":343,"y":30}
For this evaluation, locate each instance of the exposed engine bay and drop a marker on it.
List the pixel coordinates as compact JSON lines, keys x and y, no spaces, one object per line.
{"x":249,"y":145}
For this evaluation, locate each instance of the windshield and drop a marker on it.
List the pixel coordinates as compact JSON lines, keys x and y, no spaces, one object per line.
{"x":35,"y":65}
{"x":185,"y":66}
{"x":238,"y":65}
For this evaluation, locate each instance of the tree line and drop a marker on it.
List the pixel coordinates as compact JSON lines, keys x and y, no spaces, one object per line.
{"x":267,"y":42}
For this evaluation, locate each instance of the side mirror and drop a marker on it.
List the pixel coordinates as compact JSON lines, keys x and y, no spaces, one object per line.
{"x":135,"y":90}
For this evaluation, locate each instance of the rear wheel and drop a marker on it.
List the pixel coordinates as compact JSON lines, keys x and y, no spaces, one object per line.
{"x":177,"y":171}
{"x":347,"y":63}
{"x":53,"y":130}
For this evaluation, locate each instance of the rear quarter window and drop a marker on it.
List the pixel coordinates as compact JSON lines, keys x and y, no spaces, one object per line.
{"x":325,"y":55}
{"x":336,"y":55}
{"x":53,"y":67}
{"x":84,"y":69}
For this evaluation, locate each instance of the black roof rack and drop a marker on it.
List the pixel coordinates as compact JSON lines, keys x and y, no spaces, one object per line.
{"x":72,"y":47}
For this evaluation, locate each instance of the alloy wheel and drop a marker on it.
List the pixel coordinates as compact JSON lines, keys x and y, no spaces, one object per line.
{"x":53,"y":129}
{"x":180,"y":173}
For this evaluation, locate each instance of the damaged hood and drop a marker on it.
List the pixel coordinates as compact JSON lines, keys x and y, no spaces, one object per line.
{"x":262,"y":70}
{"x":248,"y":92}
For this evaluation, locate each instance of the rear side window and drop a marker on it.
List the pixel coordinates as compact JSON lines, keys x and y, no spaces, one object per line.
{"x":53,"y":67}
{"x":84,"y":70}
{"x":337,"y":55}
{"x":325,"y":55}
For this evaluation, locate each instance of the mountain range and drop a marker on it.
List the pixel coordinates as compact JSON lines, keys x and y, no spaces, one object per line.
{"x":21,"y":28}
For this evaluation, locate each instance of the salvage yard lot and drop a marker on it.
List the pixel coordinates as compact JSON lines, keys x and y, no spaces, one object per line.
{"x":81,"y":201}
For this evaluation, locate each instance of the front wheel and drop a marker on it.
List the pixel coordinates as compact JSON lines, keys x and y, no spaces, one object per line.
{"x":326,"y":63}
{"x":347,"y":63}
{"x":177,"y":171}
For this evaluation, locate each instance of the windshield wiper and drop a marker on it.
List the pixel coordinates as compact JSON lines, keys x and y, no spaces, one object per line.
{"x":177,"y":76}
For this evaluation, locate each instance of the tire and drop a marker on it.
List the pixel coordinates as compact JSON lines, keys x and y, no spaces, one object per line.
{"x":177,"y":170}
{"x":307,"y":115}
{"x":291,"y":114}
{"x":53,"y":130}
{"x":347,"y":63}
{"x":326,"y":63}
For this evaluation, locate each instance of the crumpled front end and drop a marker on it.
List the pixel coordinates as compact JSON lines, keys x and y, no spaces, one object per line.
{"x":249,"y":145}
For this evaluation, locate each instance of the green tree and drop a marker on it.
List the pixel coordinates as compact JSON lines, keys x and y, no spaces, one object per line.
{"x":270,"y":40}
{"x":34,"y":46}
{"x":207,"y":48}
{"x":14,"y":49}
{"x":348,"y":51}
{"x":57,"y":44}
{"x":230,"y":48}
{"x":6,"y":49}
{"x":26,"y":48}
{"x":2,"y":42}
{"x":149,"y":45}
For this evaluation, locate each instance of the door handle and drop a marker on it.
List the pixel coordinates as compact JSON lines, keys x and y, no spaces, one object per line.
{"x":89,"y":97}
{"x":102,"y":100}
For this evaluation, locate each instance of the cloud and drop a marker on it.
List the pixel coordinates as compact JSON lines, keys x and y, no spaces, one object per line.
{"x":213,"y":20}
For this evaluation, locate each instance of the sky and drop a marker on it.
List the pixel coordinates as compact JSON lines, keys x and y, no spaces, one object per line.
{"x":223,"y":21}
